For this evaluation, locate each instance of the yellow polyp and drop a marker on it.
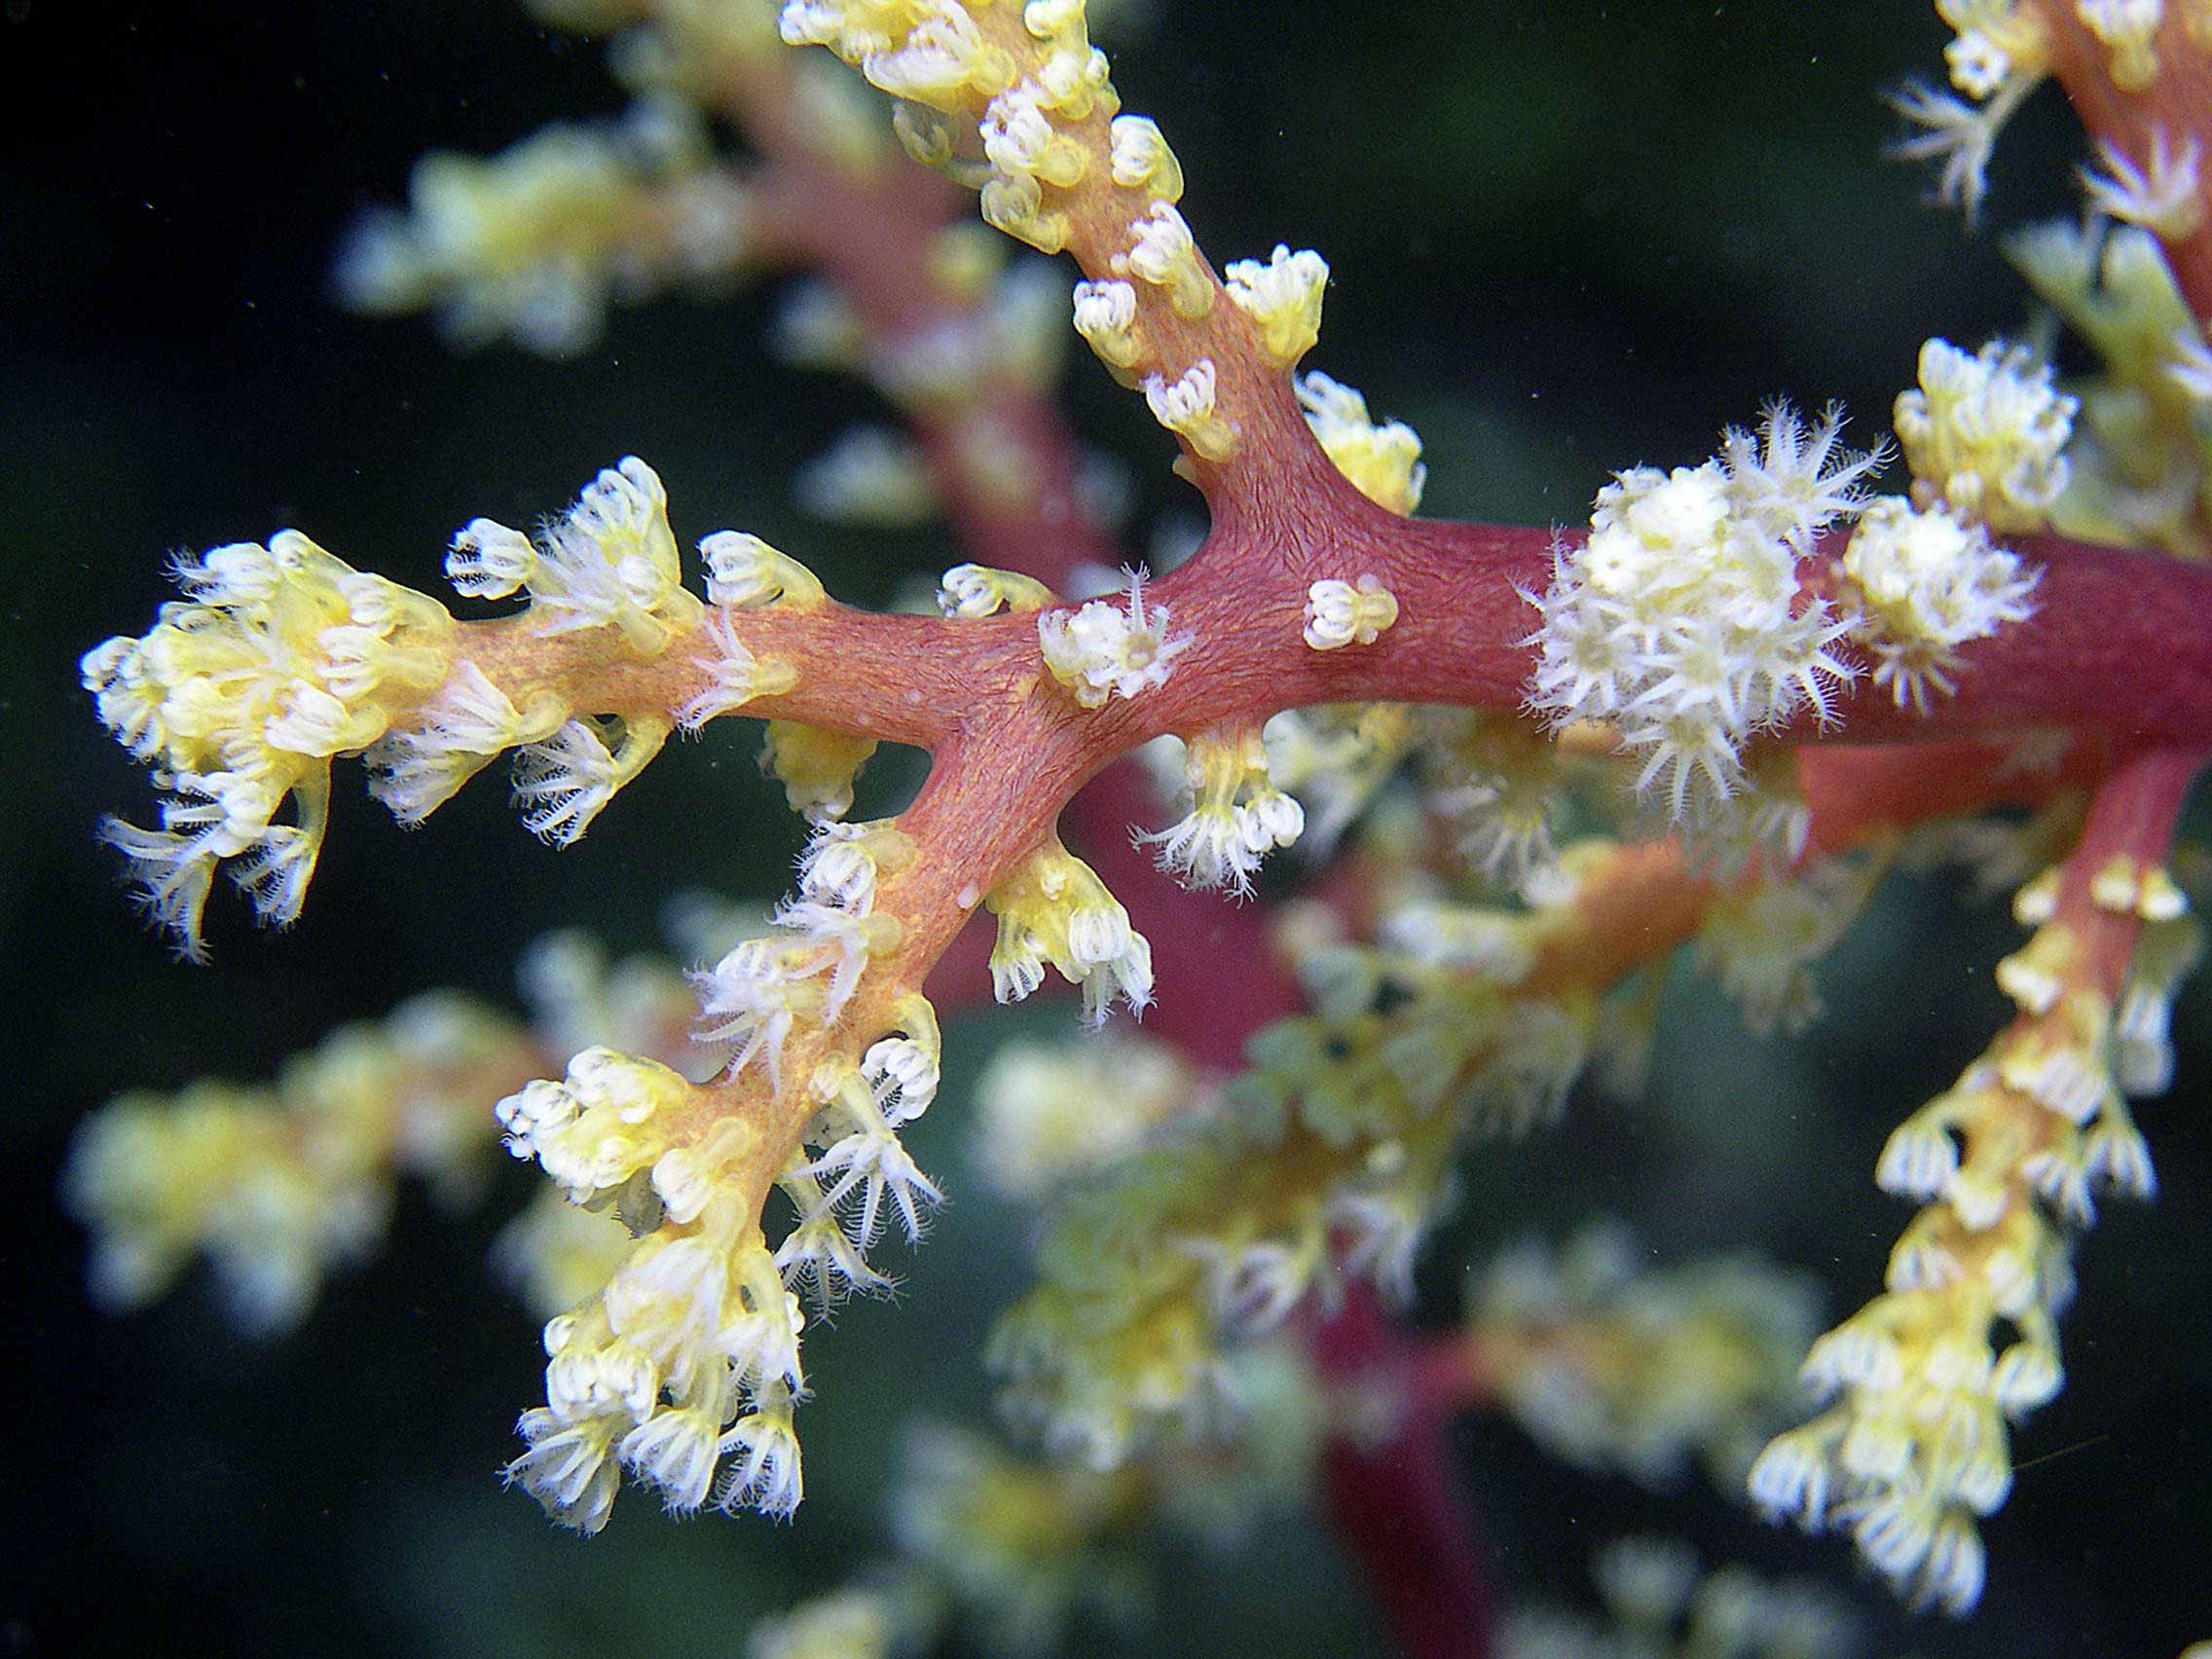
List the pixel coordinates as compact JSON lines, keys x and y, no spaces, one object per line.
{"x":2117,"y":885}
{"x":1985,"y":435}
{"x":927,"y":137}
{"x":817,"y":767}
{"x":2058,"y":1070}
{"x":1340,"y":614}
{"x":1053,"y":910}
{"x":892,"y":849}
{"x":1162,"y":253}
{"x":610,"y":561}
{"x":1283,"y":298}
{"x":1186,"y":407}
{"x":774,"y":676}
{"x":1105,"y":316}
{"x":644,"y":734}
{"x":2134,"y":64}
{"x":744,"y":572}
{"x":1063,"y":165}
{"x":1211,"y":439}
{"x":916,"y":1016}
{"x":2037,"y":902}
{"x":1143,"y":162}
{"x":1191,"y":294}
{"x":1383,"y":461}
{"x":1999,"y":42}
{"x":1016,"y":212}
{"x":2035,"y":975}
{"x":2159,"y":898}
{"x":835,"y":1075}
{"x":1238,"y":814}
{"x":609,"y":1119}
{"x":977,"y":591}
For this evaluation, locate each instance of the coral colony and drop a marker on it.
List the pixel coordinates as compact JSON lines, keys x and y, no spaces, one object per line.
{"x":1715,"y":716}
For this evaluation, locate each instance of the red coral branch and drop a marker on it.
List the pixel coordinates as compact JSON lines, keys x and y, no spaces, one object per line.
{"x":2118,"y":642}
{"x":1387,"y":1480}
{"x":2132,"y":815}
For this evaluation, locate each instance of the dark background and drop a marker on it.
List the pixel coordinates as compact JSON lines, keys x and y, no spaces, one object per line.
{"x":1567,"y":238}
